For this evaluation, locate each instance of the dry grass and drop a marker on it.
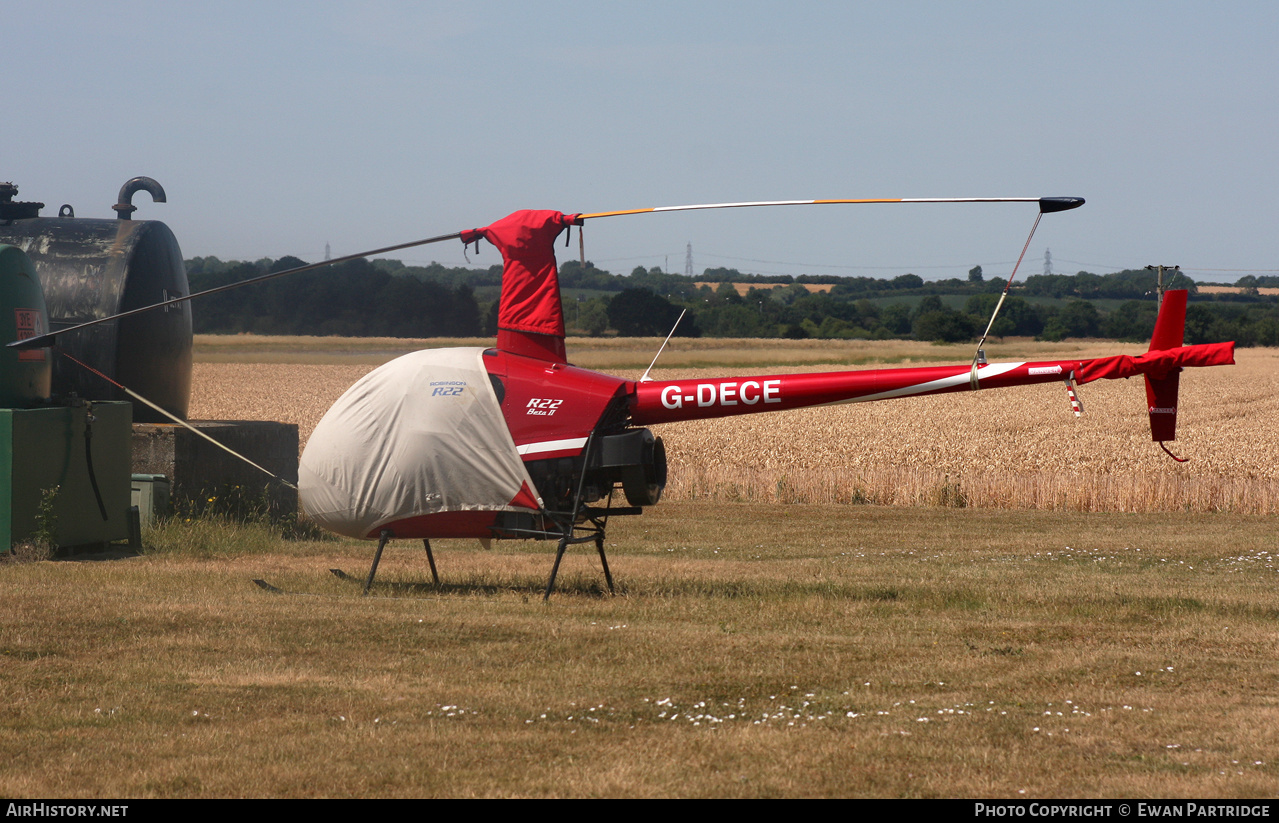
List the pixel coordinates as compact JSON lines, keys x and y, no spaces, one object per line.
{"x":1018,"y":448}
{"x":758,"y":651}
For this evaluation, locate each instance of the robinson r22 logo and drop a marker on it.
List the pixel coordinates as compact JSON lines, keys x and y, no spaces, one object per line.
{"x":447,"y":388}
{"x":542,"y":406}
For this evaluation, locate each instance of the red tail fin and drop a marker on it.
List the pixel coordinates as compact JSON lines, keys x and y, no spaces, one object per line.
{"x":1161,"y":392}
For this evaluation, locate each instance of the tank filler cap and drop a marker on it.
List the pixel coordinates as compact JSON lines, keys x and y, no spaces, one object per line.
{"x":124,"y":209}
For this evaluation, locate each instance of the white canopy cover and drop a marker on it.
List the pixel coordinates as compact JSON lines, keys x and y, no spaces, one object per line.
{"x":421,"y":435}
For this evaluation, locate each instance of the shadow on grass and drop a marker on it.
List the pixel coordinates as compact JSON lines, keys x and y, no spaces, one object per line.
{"x":80,"y":554}
{"x":485,"y":585}
{"x":30,"y":553}
{"x":594,"y":587}
{"x":584,"y":586}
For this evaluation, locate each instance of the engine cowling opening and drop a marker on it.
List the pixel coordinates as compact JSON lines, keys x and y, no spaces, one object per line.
{"x":634,"y":459}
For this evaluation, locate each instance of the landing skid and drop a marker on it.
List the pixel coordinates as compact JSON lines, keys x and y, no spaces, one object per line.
{"x":587,"y":526}
{"x":595,"y":534}
{"x":580,"y":523}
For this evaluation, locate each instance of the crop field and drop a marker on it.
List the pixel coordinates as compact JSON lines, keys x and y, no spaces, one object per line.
{"x":1012,"y":448}
{"x":851,"y":601}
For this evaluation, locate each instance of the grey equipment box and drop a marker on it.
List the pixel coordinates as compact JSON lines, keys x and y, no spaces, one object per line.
{"x":150,"y":495}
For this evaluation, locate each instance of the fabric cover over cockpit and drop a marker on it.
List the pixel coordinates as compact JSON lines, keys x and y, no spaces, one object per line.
{"x":421,"y":435}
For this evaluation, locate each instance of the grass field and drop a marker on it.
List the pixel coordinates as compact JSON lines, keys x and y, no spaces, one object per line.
{"x":756,"y":651}
{"x":766,"y":642}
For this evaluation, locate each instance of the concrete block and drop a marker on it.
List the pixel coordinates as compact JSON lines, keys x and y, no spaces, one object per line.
{"x":197,"y":469}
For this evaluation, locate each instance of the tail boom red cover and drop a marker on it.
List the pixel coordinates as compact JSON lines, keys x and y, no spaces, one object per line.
{"x":667,"y":401}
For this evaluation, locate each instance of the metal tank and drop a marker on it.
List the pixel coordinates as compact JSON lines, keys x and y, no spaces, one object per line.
{"x":91,"y":268}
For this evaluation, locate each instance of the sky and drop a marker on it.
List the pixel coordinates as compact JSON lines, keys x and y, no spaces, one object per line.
{"x":279,"y":128}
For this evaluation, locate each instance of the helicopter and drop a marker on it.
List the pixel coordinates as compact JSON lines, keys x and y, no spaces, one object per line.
{"x":514,"y":442}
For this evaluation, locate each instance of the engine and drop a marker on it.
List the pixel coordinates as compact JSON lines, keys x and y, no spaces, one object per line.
{"x":634,"y":459}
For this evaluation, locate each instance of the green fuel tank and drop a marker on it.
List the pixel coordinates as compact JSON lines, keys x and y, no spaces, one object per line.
{"x":25,"y":376}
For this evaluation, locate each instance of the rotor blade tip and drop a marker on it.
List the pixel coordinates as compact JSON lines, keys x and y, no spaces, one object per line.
{"x":1048,"y":205}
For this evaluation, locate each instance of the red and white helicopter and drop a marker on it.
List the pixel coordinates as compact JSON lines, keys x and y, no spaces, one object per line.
{"x":512,"y":441}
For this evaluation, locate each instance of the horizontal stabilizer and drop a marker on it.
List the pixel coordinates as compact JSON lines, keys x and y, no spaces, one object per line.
{"x":1157,"y":364}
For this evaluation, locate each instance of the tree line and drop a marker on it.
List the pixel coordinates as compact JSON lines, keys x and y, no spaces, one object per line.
{"x":387,"y":298}
{"x":351,"y":299}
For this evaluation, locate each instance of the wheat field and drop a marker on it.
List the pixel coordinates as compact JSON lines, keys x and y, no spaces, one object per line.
{"x":1012,"y":448}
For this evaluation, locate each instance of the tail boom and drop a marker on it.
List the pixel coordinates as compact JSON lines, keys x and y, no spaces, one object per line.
{"x":673,"y":400}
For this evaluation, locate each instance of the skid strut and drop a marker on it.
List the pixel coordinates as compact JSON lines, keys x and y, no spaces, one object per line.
{"x":599,"y":546}
{"x":595,"y":531}
{"x":426,"y":544}
{"x":383,"y":538}
{"x":386,"y":536}
{"x":565,"y":542}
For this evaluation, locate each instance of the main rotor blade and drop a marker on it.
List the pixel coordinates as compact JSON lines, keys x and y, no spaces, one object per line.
{"x":48,"y":339}
{"x":1046,"y":204}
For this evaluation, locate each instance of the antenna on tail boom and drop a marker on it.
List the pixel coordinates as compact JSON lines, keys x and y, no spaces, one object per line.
{"x":646,"y":378}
